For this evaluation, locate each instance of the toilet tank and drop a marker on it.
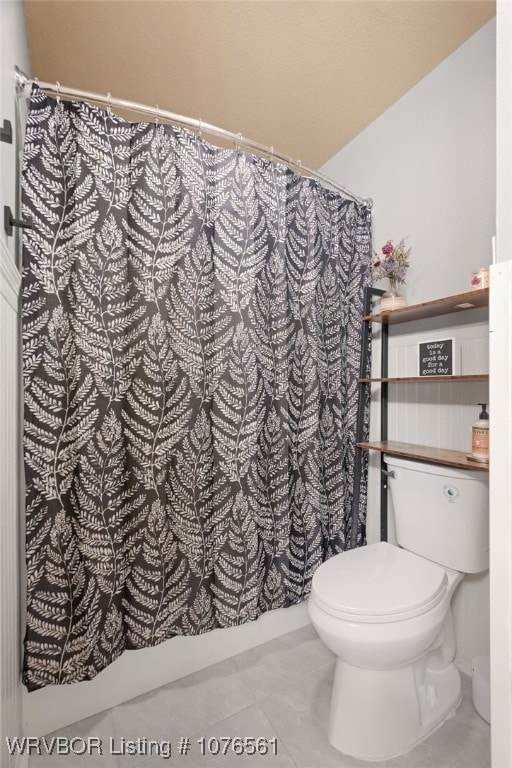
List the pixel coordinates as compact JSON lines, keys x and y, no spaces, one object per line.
{"x":441,"y":513}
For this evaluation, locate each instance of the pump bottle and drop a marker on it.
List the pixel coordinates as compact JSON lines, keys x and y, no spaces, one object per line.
{"x":480,"y":436}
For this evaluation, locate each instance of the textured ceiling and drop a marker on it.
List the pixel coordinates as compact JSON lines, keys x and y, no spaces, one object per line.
{"x":304,"y":76}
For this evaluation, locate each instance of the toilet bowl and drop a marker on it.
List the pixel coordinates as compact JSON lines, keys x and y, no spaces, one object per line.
{"x":385,"y":613}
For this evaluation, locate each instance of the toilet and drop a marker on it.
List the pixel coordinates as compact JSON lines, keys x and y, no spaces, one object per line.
{"x":384,"y":610}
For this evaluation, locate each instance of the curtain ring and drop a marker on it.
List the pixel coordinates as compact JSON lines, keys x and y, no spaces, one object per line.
{"x":109,"y":104}
{"x":58,"y":91}
{"x":157,"y":117}
{"x":200,"y":129}
{"x":240,"y":138}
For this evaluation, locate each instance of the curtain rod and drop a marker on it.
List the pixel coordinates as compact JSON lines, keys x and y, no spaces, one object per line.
{"x":23,"y":82}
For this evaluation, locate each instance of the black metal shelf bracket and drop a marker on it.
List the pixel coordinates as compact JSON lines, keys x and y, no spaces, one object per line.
{"x":10,"y":222}
{"x":384,"y":388}
{"x":6,"y":132}
{"x":369,"y":294}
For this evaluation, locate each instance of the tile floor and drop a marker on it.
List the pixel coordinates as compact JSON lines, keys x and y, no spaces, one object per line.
{"x":280,"y":689}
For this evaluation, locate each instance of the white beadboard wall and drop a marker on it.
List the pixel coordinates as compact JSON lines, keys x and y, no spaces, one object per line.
{"x":10,"y":534}
{"x":429,"y":164}
{"x":437,"y":414}
{"x":13,"y":51}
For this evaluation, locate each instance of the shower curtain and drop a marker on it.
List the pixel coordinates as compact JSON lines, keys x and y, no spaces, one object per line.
{"x":191,"y":349}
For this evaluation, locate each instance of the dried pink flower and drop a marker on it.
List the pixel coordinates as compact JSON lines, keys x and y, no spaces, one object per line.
{"x":395,"y":262}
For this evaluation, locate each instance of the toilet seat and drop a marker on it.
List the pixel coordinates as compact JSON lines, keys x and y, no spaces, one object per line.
{"x":378,"y":583}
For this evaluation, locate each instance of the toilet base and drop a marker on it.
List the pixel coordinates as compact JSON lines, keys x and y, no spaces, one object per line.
{"x":379,"y":714}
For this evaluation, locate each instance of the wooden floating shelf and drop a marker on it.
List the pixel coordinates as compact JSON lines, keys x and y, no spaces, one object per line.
{"x":421,"y":379}
{"x":425,"y":453}
{"x":444,"y":306}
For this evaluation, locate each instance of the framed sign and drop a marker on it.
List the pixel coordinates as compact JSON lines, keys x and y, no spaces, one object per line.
{"x":436,"y":358}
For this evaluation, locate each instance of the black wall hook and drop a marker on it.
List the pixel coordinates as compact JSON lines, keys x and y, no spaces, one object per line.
{"x":10,"y":222}
{"x":6,"y":132}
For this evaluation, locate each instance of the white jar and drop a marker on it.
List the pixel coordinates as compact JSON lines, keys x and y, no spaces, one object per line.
{"x":480,"y":278}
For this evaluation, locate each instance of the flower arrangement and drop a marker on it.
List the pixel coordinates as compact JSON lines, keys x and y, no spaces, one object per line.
{"x":393,"y":263}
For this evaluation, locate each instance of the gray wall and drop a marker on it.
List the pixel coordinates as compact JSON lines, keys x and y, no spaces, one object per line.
{"x":429,"y":164}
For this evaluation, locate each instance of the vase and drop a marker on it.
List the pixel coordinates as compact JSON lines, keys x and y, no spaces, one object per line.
{"x":393,"y":298}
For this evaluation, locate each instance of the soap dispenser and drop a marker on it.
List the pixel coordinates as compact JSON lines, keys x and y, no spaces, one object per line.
{"x":480,"y":436}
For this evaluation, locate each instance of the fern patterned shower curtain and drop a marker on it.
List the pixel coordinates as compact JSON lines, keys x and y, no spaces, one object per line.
{"x":191,"y":348}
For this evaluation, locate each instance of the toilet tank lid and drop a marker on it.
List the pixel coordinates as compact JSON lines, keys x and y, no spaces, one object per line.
{"x":434,"y":469}
{"x":379,"y":580}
